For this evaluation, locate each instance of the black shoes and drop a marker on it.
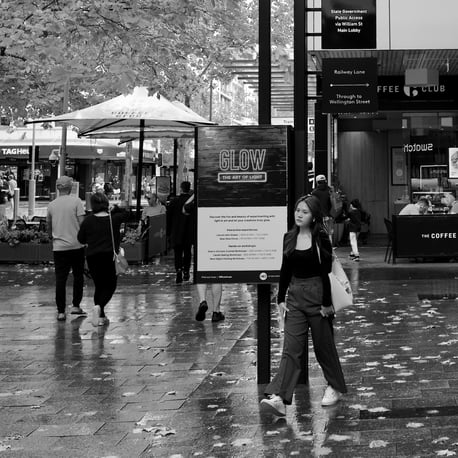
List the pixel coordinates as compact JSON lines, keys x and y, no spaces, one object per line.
{"x":217,"y":316}
{"x":203,"y":307}
{"x":179,"y":278}
{"x":186,"y":276}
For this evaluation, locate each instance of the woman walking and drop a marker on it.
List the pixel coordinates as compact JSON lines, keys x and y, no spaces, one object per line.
{"x":304,"y":274}
{"x":354,"y":227}
{"x":95,"y":232}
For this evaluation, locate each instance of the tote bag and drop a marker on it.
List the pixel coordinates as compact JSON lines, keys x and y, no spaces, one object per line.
{"x":120,"y":262}
{"x":341,"y":293}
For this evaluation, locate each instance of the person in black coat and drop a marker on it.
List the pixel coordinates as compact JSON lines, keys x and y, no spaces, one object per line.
{"x":181,"y":230}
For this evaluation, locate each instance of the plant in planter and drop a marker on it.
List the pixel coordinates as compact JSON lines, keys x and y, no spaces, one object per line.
{"x":24,"y":245}
{"x":134,"y":244}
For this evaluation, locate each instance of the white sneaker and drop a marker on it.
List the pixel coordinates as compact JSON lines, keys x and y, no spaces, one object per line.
{"x":274,"y":405}
{"x":95,"y":315}
{"x":331,"y":397}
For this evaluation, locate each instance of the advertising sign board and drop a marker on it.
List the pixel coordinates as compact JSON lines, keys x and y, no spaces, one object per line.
{"x":241,"y":189}
{"x":350,"y":85}
{"x":349,"y":24}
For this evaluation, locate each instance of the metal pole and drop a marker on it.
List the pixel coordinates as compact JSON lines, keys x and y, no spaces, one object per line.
{"x":140,"y":168}
{"x":32,"y":184}
{"x":300,"y":99}
{"x":264,"y":117}
{"x":63,"y":146}
{"x":211,"y":100}
{"x":175,"y":165}
{"x":265,"y":63}
{"x":301,"y":183}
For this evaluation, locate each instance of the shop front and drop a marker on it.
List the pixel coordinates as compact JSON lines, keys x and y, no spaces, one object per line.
{"x":407,"y":151}
{"x":88,"y":160}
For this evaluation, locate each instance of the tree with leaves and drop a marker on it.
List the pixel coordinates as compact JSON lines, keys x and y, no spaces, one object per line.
{"x":104,"y":47}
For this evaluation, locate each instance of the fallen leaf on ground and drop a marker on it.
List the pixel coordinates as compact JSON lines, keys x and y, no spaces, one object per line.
{"x":378,"y":444}
{"x":241,"y":442}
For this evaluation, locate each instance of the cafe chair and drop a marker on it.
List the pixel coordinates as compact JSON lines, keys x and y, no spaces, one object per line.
{"x":42,"y":222}
{"x":389,"y":247}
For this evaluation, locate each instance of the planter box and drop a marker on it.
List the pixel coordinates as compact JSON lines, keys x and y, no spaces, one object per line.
{"x":135,"y":253}
{"x":45,"y":253}
{"x":28,"y":253}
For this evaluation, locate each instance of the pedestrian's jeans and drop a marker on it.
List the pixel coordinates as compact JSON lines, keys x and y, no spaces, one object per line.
{"x":64,"y":261}
{"x":103,"y":273}
{"x":182,"y":257}
{"x":304,"y":304}
{"x":354,"y":243}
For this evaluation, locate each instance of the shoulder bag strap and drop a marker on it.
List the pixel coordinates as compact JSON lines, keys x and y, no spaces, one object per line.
{"x":318,"y":251}
{"x":112,"y":233}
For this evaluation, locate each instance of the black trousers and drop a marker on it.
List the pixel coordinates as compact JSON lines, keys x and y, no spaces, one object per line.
{"x":182,"y":257}
{"x":103,"y":273}
{"x":64,"y":261}
{"x":304,"y":298}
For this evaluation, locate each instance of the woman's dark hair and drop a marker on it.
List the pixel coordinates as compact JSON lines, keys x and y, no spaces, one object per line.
{"x":317,"y":227}
{"x":357,"y":204}
{"x":99,"y":202}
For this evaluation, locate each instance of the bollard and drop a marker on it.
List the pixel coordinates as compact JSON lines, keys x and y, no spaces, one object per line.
{"x":16,"y":204}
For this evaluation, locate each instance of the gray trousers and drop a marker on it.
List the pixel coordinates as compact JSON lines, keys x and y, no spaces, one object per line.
{"x":304,"y":304}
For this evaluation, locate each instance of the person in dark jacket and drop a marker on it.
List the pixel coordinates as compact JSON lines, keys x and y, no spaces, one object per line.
{"x":307,"y":261}
{"x":181,"y":230}
{"x":95,"y":232}
{"x":323,"y":193}
{"x":354,"y":227}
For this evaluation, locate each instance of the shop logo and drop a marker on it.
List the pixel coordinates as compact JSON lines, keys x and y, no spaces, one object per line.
{"x":411,"y":148}
{"x":263,"y":276}
{"x":410,"y":91}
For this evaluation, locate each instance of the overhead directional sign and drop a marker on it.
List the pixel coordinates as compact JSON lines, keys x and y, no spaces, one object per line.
{"x":349,"y":24}
{"x":350,"y":85}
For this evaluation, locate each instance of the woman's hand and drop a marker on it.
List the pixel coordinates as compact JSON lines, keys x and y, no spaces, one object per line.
{"x":282,"y":309}
{"x":327,"y":311}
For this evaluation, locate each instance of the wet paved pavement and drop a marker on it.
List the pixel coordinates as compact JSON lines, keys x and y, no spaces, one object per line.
{"x":156,"y":383}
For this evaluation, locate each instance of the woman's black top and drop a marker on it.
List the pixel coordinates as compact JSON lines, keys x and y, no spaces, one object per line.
{"x":306,"y":264}
{"x":354,"y":225}
{"x":95,"y":232}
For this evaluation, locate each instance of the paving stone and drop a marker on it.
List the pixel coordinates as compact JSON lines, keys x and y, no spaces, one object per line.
{"x":155,"y":367}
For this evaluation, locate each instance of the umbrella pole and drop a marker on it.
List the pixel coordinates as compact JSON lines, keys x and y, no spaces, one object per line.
{"x":140,"y":168}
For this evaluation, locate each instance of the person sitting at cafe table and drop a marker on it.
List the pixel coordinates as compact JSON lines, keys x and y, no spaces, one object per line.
{"x":454,"y":207}
{"x":419,"y":208}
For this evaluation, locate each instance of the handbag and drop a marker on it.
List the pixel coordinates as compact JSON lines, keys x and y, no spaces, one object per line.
{"x":120,"y":262}
{"x":341,"y":293}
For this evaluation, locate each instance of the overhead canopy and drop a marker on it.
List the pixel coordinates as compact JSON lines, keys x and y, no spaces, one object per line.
{"x":130,"y":134}
{"x":125,"y":111}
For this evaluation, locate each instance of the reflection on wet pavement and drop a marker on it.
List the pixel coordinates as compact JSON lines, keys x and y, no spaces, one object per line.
{"x":156,"y":383}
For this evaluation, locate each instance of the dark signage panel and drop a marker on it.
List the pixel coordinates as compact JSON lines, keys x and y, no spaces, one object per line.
{"x":349,"y":24}
{"x":350,"y":85}
{"x":393,"y":94}
{"x":241,"y":190}
{"x":425,"y":236}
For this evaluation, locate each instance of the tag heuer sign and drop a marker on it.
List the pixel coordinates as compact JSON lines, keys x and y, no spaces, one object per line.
{"x":13,"y":152}
{"x":349,"y":24}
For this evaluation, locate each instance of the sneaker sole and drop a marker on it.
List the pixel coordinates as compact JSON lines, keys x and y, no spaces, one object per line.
{"x":268,"y":408}
{"x":323,"y":404}
{"x":200,"y":316}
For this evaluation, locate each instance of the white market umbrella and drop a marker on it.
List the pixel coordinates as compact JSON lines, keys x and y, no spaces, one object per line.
{"x":137,"y":110}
